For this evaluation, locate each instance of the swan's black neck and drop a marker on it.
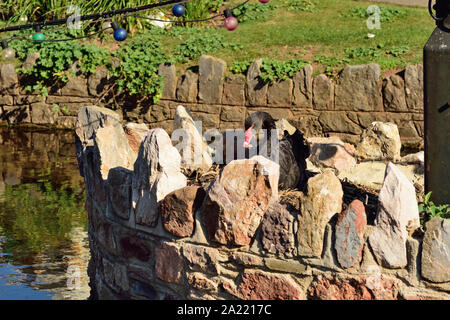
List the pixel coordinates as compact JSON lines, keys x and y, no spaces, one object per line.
{"x":260,"y":120}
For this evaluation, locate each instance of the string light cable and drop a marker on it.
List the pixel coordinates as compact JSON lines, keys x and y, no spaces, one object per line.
{"x":188,"y":21}
{"x":94,"y":16}
{"x":120,"y":34}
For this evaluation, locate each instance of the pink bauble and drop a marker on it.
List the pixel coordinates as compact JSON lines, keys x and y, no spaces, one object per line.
{"x":230,"y":23}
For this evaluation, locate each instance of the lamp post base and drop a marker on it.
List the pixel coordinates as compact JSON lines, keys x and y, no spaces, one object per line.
{"x":437,"y":115}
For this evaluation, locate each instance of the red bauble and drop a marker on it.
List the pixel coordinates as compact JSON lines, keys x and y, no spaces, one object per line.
{"x":264,"y":1}
{"x":230,"y":23}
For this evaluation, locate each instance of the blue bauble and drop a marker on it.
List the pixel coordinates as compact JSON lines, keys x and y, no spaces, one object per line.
{"x":178,"y":10}
{"x":120,"y":34}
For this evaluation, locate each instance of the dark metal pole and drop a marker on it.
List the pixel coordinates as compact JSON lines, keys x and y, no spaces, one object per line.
{"x":436,"y":60}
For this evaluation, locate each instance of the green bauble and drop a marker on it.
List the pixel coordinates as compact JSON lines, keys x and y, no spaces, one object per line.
{"x":38,"y":37}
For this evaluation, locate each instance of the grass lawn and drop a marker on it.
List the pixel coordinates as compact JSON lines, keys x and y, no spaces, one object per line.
{"x":327,"y":35}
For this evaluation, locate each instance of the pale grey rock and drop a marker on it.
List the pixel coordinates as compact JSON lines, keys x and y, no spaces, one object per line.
{"x":394,"y":94}
{"x":256,"y":88}
{"x":168,"y":72}
{"x":283,"y":125}
{"x":380,"y":141}
{"x":414,"y":86}
{"x":323,"y":201}
{"x":193,"y":149}
{"x":211,"y":75}
{"x":303,"y":87}
{"x":358,"y":88}
{"x":398,"y":212}
{"x":156,"y":173}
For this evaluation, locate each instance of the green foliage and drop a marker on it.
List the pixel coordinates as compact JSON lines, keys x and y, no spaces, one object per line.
{"x":92,"y":56}
{"x":387,"y":58}
{"x":428,"y":210}
{"x":195,"y":10}
{"x":65,"y":111}
{"x":197,"y":45}
{"x":60,"y":109}
{"x":397,"y":51}
{"x":138,"y":71}
{"x":38,"y":88}
{"x":364,"y":51}
{"x":376,"y":51}
{"x":139,"y":58}
{"x":201,"y":43}
{"x":387,"y":14}
{"x":250,"y":11}
{"x":47,"y":215}
{"x":331,"y":64}
{"x":301,"y":5}
{"x":215,"y":5}
{"x":38,"y":10}
{"x":56,"y":58}
{"x":240,"y":67}
{"x":55,"y":109}
{"x":273,"y":70}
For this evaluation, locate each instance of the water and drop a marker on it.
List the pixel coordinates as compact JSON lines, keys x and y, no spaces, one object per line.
{"x":44,"y":248}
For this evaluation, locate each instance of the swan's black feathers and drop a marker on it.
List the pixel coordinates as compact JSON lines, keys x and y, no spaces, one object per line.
{"x":293,"y":150}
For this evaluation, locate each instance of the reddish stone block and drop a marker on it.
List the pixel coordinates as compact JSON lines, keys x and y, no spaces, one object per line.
{"x":169,"y":264}
{"x":364,"y":288}
{"x":177,"y":210}
{"x":259,"y":285}
{"x":349,"y":234}
{"x":238,"y":199}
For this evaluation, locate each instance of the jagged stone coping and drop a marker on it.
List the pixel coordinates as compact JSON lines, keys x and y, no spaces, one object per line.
{"x":236,"y":238}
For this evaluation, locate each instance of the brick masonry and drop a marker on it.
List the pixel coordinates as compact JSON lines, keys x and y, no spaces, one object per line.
{"x":315,"y":104}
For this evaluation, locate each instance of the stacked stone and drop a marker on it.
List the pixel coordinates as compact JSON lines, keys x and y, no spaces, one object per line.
{"x":153,"y":237}
{"x":317,"y":105}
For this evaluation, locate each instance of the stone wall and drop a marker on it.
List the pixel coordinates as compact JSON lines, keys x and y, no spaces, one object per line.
{"x":154,"y":235}
{"x":317,"y":105}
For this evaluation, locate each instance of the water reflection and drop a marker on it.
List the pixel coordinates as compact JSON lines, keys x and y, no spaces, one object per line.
{"x":43,"y":224}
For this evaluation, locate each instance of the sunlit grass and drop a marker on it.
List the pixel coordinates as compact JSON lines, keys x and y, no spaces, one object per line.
{"x":319,"y":36}
{"x":290,"y":34}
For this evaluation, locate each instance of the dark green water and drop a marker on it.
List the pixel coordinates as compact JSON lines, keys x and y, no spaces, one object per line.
{"x":43,"y":225}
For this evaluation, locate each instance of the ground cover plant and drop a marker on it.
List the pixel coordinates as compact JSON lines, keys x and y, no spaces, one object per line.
{"x":287,"y":34}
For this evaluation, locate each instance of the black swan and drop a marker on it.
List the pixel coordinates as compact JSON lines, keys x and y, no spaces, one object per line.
{"x":293,"y":150}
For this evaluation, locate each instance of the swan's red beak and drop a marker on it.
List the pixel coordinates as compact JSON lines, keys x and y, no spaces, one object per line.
{"x":248,"y":137}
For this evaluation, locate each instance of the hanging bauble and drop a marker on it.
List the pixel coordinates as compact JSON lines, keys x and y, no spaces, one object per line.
{"x":120,"y":34}
{"x":230,"y":23}
{"x":178,"y":10}
{"x":23,"y":19}
{"x":8,"y":54}
{"x":38,"y":37}
{"x":264,"y":1}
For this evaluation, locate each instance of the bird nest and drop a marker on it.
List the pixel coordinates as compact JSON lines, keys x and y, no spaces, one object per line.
{"x":368,"y":196}
{"x":200,"y":177}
